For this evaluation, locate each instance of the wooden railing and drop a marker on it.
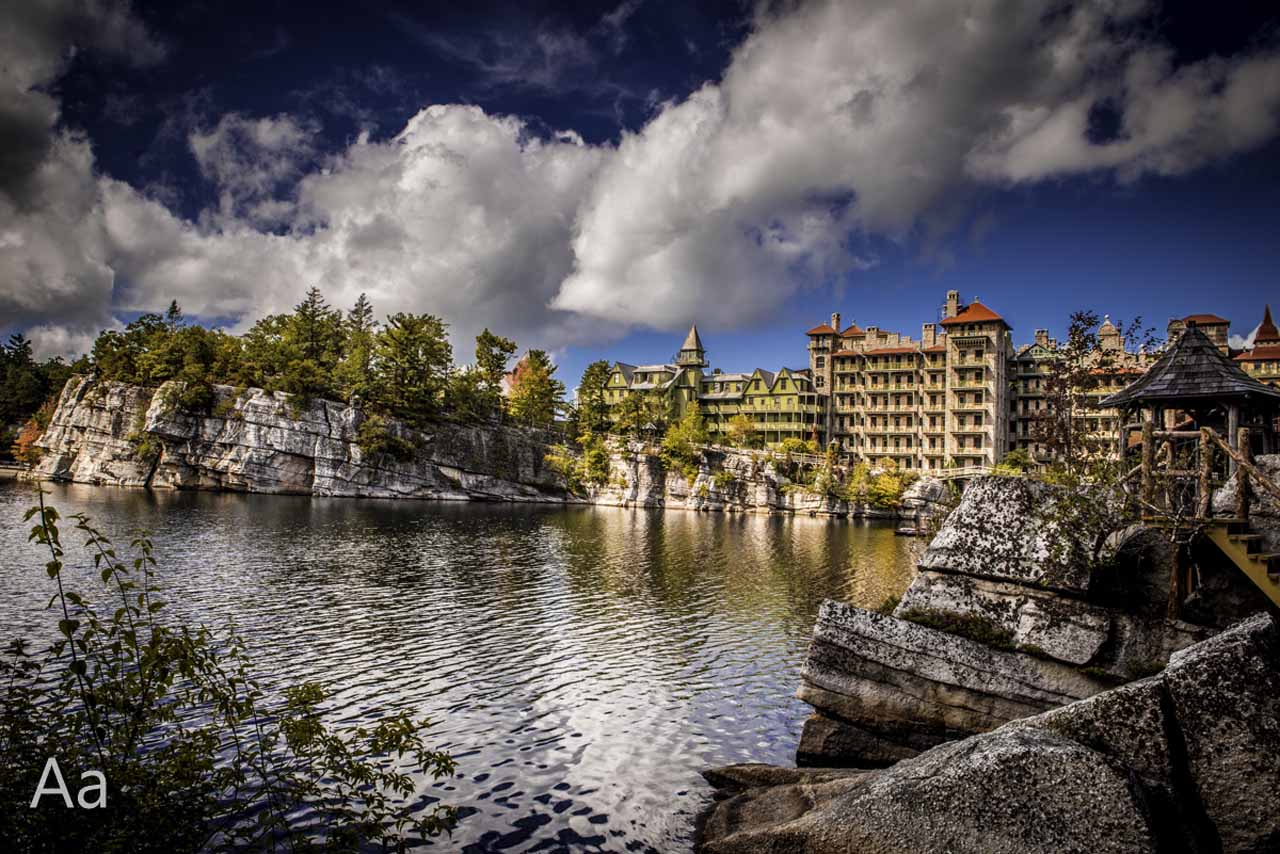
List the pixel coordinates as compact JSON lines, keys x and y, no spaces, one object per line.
{"x":1180,"y":469}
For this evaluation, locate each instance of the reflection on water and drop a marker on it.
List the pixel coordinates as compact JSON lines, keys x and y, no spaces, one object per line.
{"x":582,"y":664}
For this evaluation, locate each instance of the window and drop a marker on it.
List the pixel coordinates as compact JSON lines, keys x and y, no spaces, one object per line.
{"x":820,"y":362}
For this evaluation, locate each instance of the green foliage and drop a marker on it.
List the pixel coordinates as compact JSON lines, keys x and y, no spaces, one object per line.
{"x":536,"y":395}
{"x":195,"y":753}
{"x":376,"y":437}
{"x":723,"y":480}
{"x":587,"y":464}
{"x":413,"y":359}
{"x":1015,"y":463}
{"x":885,"y":489}
{"x":593,"y":412}
{"x":681,"y":448}
{"x":25,"y":386}
{"x":741,"y":432}
{"x":493,"y":352}
{"x":795,"y":445}
{"x":969,"y":626}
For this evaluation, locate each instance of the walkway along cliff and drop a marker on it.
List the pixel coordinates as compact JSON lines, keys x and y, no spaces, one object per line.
{"x":252,"y":440}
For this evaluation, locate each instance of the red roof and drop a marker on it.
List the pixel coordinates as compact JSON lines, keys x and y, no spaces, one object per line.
{"x":846,"y":353}
{"x":1267,"y":331}
{"x":1205,"y":319}
{"x":974,"y":312}
{"x":853,"y":330}
{"x":936,"y":348}
{"x":1259,"y":354}
{"x":821,"y":330}
{"x":892,"y":351}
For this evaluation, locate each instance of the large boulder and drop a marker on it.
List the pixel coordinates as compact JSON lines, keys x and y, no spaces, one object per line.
{"x":886,"y":688}
{"x":1187,"y":760}
{"x":1016,"y":530}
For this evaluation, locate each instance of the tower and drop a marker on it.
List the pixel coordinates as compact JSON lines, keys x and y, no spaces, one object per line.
{"x":692,"y":354}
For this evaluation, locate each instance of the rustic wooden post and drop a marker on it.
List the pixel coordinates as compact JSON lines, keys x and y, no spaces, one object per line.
{"x":1206,"y":470}
{"x":1242,"y":474}
{"x":1233,"y":426}
{"x":1148,"y":458}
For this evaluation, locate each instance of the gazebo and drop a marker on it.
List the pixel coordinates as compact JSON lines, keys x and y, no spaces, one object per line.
{"x":1195,"y":377}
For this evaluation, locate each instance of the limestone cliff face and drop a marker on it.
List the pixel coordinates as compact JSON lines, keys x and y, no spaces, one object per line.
{"x":114,"y":434}
{"x":257,"y":441}
{"x":738,"y":482}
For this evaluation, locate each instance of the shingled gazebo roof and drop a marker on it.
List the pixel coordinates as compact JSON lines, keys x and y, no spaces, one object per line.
{"x":1193,"y":369}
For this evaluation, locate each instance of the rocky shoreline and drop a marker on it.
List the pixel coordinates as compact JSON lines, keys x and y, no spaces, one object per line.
{"x":1007,"y":704}
{"x":112,"y":434}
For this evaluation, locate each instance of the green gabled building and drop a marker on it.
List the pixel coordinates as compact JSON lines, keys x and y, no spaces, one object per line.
{"x":781,"y":404}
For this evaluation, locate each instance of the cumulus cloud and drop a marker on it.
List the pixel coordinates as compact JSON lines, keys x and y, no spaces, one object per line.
{"x":834,"y":122}
{"x":254,"y":164}
{"x":837,"y":119}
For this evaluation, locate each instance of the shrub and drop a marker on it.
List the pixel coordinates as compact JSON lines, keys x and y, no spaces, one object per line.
{"x":193,"y":753}
{"x":376,"y":437}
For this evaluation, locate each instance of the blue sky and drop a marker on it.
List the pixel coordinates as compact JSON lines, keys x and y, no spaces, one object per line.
{"x":589,"y":178}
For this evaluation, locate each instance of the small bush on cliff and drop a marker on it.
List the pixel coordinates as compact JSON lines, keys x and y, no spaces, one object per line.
{"x":377,"y":438}
{"x":588,"y":464}
{"x":24,"y":447}
{"x":192,"y":753}
{"x":681,"y":448}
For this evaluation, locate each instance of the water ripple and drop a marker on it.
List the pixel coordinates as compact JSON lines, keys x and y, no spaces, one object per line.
{"x":583,"y":665}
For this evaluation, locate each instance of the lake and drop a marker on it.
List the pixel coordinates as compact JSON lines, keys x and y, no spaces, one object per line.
{"x":582,"y":664}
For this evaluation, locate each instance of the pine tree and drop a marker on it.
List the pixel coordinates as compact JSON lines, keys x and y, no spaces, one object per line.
{"x":593,"y":411}
{"x":412,"y":362}
{"x":536,"y":395}
{"x":493,"y":352}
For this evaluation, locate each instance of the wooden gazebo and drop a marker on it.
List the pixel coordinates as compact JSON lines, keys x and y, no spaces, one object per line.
{"x":1195,"y":378}
{"x":1202,"y":418}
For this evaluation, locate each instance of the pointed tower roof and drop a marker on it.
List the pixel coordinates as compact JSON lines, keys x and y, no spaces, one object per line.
{"x":1193,"y":368}
{"x":1267,"y":332}
{"x":692,"y":341}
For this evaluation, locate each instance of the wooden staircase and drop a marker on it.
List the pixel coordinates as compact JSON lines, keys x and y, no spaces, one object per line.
{"x":1244,"y":548}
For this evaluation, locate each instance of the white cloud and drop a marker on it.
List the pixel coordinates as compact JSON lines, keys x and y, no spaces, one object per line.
{"x":252,"y":162}
{"x":833,"y":121}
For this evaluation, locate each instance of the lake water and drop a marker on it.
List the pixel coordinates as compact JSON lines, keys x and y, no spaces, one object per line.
{"x":583,"y":665}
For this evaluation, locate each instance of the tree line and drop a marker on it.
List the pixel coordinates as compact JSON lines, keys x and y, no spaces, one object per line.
{"x":402,"y":367}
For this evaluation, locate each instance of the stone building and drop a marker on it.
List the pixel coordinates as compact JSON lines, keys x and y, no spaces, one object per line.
{"x":928,"y":404}
{"x":1030,"y":371}
{"x":1262,"y":360}
{"x":1216,"y":328}
{"x":781,"y":404}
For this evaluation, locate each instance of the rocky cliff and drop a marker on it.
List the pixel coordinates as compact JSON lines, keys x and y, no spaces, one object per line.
{"x":1188,"y":761}
{"x":741,"y":481}
{"x":257,"y":441}
{"x":114,"y":434}
{"x":1004,"y":619}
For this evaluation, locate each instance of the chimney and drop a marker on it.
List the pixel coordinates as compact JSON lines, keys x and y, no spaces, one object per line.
{"x":953,"y":304}
{"x":835,"y":321}
{"x":1042,"y":337}
{"x":928,"y":334}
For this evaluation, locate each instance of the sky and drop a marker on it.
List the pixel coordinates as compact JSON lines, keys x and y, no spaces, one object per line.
{"x":591,"y":178}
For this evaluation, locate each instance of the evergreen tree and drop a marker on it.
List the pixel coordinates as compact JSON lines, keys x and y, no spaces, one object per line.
{"x":354,"y":374}
{"x":493,"y":352}
{"x":536,"y":396}
{"x":315,"y":337}
{"x":412,"y":361}
{"x":593,"y":412}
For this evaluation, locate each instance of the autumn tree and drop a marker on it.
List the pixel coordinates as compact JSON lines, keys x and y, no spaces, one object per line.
{"x":536,"y":395}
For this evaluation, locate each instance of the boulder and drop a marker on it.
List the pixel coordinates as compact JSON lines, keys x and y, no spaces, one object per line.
{"x":885,"y":688}
{"x":1016,"y":530}
{"x":1187,"y":760}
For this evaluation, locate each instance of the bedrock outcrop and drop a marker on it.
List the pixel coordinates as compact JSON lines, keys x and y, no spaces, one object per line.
{"x":1187,"y":760}
{"x":114,"y":434}
{"x":1005,"y":618}
{"x":743,"y":482}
